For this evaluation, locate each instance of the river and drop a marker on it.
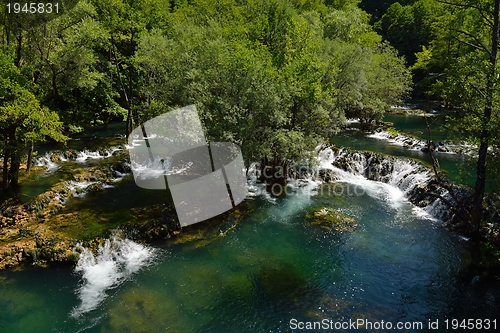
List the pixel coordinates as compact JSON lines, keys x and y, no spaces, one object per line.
{"x":266,"y":272}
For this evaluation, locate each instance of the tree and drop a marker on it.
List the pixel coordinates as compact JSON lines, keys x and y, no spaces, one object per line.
{"x":22,"y":120}
{"x":124,"y":20}
{"x":377,"y":8}
{"x":257,"y":78}
{"x":59,"y":56}
{"x":466,"y":51}
{"x":370,"y":77}
{"x":270,"y":76}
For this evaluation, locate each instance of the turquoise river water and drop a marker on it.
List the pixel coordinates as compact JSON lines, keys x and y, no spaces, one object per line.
{"x":271,"y":272}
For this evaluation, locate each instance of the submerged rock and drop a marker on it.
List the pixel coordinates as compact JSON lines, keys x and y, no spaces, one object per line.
{"x":143,"y":310}
{"x":280,"y":279}
{"x":330,"y":219}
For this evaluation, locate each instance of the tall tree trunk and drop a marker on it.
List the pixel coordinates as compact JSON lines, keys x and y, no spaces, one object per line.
{"x":19,"y":48}
{"x":30,"y":158}
{"x":129,"y":125}
{"x":6,"y":158}
{"x":486,"y":119}
{"x":15,"y":158}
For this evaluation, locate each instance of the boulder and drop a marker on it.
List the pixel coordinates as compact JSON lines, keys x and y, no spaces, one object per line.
{"x":330,"y":219}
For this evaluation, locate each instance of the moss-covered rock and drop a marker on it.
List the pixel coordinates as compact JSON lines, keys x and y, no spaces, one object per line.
{"x":142,"y":310}
{"x":331,"y":219}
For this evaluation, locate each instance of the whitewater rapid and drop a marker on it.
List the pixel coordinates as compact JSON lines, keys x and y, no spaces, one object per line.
{"x":393,"y":188}
{"x":115,"y":262}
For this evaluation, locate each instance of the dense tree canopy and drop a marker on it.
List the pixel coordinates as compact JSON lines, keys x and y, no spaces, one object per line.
{"x":275,"y":76}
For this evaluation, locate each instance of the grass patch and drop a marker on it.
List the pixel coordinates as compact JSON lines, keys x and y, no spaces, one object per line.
{"x":87,"y":224}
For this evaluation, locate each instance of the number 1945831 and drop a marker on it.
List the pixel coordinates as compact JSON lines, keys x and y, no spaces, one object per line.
{"x":32,"y":8}
{"x":471,"y":324}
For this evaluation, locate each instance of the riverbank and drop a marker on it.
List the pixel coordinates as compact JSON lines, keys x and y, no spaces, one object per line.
{"x":85,"y":210}
{"x":46,"y":229}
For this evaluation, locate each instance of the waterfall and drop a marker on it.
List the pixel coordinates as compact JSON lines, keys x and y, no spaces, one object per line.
{"x":413,"y":143}
{"x":389,"y":178}
{"x":78,"y":189}
{"x":84,"y":155}
{"x":52,"y":160}
{"x":116,"y":261}
{"x":47,"y":162}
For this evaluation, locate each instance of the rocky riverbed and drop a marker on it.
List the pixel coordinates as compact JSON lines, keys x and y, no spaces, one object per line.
{"x":43,"y":232}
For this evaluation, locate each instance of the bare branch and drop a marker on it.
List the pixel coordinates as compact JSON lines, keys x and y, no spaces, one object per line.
{"x":482,"y":47}
{"x":459,"y":209}
{"x":479,"y":9}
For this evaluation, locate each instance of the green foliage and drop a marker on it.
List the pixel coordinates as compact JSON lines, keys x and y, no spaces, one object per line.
{"x":271,"y":76}
{"x":458,"y":66}
{"x":392,"y":131}
{"x":22,"y":120}
{"x":370,"y":81}
{"x":409,"y":28}
{"x":275,"y":76}
{"x":20,"y":109}
{"x":491,"y":255}
{"x":377,"y":8}
{"x":351,"y":26}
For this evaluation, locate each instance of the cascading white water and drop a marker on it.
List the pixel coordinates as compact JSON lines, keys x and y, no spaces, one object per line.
{"x":153,"y":169}
{"x":392,"y":188}
{"x":157,"y":168}
{"x":50,"y":160}
{"x":115,"y":262}
{"x":406,"y":175}
{"x":326,"y":158}
{"x":46,"y":161}
{"x":84,"y":155}
{"x":78,"y":188}
{"x":412,"y":143}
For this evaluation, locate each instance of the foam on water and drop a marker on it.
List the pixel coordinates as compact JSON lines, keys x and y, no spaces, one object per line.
{"x":158,"y":167}
{"x":376,"y":189}
{"x":387,"y":179}
{"x":46,"y":161}
{"x":87,"y":154}
{"x":404,"y":177}
{"x":412,"y":143}
{"x":115,"y":262}
{"x":51,"y":161}
{"x":78,"y":188}
{"x":326,"y":158}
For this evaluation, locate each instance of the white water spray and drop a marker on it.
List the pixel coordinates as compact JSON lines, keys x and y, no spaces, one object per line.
{"x":87,"y":154}
{"x":391,"y":188}
{"x":46,"y":161}
{"x":115,"y":262}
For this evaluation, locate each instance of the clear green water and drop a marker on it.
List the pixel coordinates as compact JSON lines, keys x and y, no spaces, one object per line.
{"x":416,"y":126}
{"x":460,"y":167}
{"x":272,"y":267}
{"x":399,"y":265}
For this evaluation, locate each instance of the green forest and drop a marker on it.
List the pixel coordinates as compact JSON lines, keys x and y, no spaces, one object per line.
{"x":276,"y":77}
{"x":379,"y":119}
